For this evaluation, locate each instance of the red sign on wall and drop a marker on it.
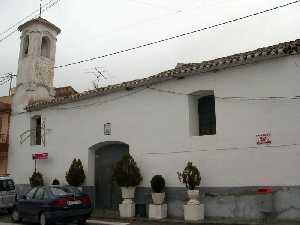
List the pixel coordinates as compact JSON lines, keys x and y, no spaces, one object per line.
{"x":264,"y":138}
{"x":40,"y":156}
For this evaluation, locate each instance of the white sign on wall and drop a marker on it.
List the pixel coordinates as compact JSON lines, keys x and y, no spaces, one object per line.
{"x":107,"y":129}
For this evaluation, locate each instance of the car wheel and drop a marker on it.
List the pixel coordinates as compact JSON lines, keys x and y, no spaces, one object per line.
{"x":10,"y":210}
{"x":81,"y":222}
{"x":15,"y":216}
{"x":43,"y":219}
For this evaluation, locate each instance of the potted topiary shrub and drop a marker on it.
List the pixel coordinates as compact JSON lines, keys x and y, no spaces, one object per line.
{"x":75,"y":176}
{"x":128,"y":176}
{"x":158,"y":186}
{"x":36,"y":179}
{"x":190,"y":176}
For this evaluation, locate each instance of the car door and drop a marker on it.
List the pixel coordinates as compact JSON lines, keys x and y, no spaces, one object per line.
{"x":38,"y":203}
{"x":24,"y":204}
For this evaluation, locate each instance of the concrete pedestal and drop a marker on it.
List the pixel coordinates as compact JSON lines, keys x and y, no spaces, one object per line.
{"x":127,"y":210}
{"x":193,"y":212}
{"x":158,"y":211}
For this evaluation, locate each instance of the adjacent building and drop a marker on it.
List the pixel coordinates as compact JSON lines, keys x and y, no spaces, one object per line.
{"x":5,"y":109}
{"x":236,"y":118}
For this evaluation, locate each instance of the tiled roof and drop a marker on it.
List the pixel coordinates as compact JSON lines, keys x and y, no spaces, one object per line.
{"x":41,"y":21}
{"x":64,"y":92}
{"x":181,"y":71}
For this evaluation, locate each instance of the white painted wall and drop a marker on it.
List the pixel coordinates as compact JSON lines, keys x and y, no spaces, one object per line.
{"x":156,"y":122}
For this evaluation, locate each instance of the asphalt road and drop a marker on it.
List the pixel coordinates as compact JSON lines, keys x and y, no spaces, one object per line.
{"x":5,"y":220}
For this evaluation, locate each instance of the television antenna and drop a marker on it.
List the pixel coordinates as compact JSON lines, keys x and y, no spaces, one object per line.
{"x":40,"y":8}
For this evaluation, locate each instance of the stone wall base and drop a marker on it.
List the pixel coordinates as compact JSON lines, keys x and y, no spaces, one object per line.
{"x":221,"y":202}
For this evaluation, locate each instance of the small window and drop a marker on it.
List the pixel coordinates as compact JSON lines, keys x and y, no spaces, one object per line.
{"x":36,"y":130}
{"x":207,"y":115}
{"x":45,"y":47}
{"x":26,"y":46}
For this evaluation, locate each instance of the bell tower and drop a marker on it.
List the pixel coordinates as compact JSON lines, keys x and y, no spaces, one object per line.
{"x":36,"y":62}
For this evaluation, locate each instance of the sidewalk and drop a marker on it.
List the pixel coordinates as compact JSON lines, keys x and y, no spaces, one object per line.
{"x":169,"y":221}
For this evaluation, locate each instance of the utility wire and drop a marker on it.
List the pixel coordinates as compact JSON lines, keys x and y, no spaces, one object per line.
{"x":7,"y":78}
{"x":154,"y":5}
{"x":180,"y":35}
{"x":229,"y":97}
{"x":15,"y":30}
{"x":131,"y":92}
{"x":20,"y":21}
{"x":279,"y":147}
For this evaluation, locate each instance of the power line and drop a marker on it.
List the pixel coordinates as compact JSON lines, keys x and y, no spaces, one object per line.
{"x":20,"y":21}
{"x":154,"y":5}
{"x":7,"y":78}
{"x":180,"y":35}
{"x":175,"y":93}
{"x":147,"y":20}
{"x":46,"y":6}
{"x":97,"y":103}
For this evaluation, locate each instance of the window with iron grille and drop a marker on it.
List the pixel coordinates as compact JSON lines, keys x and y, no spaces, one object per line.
{"x":207,"y":115}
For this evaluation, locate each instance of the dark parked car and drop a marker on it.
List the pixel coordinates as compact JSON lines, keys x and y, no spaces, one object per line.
{"x":7,"y":193}
{"x":50,"y":204}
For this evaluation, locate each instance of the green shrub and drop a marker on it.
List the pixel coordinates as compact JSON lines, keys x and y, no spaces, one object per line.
{"x":36,"y":179}
{"x":190,"y":176}
{"x":55,"y":182}
{"x":75,"y":175}
{"x":158,"y":183}
{"x":126,"y":173}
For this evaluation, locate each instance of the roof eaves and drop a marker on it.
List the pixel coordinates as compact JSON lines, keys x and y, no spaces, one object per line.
{"x":260,"y":54}
{"x":41,"y":21}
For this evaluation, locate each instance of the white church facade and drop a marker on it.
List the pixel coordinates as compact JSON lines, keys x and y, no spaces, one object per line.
{"x":217,"y":114}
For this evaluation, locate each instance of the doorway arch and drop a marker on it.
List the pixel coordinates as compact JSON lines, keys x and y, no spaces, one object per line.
{"x":107,"y":192}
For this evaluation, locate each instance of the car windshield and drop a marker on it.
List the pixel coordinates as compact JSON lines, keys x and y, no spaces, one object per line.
{"x":73,"y":190}
{"x":61,"y":191}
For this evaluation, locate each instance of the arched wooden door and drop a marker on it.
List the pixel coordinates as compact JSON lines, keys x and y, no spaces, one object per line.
{"x":108,"y":193}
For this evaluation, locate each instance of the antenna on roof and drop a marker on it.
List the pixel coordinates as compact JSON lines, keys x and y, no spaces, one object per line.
{"x":40,"y":8}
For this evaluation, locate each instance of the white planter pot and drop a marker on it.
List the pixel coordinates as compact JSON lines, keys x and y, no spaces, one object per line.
{"x":194,"y":197}
{"x":158,"y":212}
{"x":128,"y":194}
{"x":193,"y":212}
{"x":158,"y":198}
